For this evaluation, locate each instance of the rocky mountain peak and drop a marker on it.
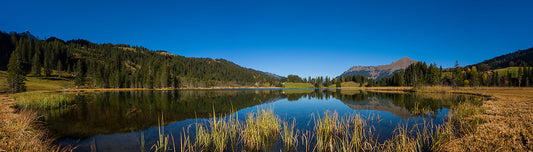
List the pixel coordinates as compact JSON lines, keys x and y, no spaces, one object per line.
{"x":380,"y":70}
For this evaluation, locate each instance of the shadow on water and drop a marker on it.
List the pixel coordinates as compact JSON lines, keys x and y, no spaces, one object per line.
{"x":123,"y":112}
{"x":114,"y":120}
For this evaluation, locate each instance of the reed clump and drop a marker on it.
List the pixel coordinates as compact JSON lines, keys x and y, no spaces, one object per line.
{"x":21,"y":132}
{"x":162,"y":143}
{"x":331,"y":132}
{"x":38,"y":100}
{"x":219,"y":135}
{"x":289,"y":136}
{"x":350,"y":133}
{"x":260,"y":129}
{"x":462,"y":120}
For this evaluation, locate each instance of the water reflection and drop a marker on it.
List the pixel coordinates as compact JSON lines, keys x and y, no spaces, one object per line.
{"x":120,"y":116}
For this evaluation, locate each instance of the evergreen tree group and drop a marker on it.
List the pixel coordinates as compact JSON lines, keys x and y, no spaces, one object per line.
{"x":422,"y":74}
{"x":15,"y":77}
{"x":92,"y":65}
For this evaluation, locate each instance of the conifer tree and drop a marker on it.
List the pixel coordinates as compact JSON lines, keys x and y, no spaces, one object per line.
{"x":47,"y":70}
{"x":36,"y":64}
{"x":59,"y":68}
{"x":15,"y":77}
{"x":80,"y":75}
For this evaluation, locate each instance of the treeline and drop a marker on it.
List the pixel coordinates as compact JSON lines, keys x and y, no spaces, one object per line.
{"x":318,"y":82}
{"x":121,"y":66}
{"x":322,"y":81}
{"x":422,"y":74}
{"x":515,"y":59}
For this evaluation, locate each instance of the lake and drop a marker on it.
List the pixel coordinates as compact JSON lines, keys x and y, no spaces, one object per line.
{"x":121,"y":121}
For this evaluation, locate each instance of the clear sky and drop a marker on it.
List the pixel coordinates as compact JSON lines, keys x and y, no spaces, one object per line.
{"x":307,"y":38}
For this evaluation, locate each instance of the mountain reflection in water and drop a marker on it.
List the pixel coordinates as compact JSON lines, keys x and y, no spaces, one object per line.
{"x":120,"y":116}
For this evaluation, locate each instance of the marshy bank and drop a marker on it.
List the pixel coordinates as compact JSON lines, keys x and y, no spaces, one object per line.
{"x":21,"y":126}
{"x":130,"y":115}
{"x":242,"y":124}
{"x":262,"y":130}
{"x":504,"y":122}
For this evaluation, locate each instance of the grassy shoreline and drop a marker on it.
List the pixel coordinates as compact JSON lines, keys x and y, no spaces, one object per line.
{"x":504,"y":122}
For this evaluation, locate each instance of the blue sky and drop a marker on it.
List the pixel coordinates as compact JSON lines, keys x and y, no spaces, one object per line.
{"x":307,"y":38}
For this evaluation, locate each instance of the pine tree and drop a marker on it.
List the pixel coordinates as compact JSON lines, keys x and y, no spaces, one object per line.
{"x":164,"y":82}
{"x":36,"y":64}
{"x":80,"y":75}
{"x":15,"y":77}
{"x":59,"y":68}
{"x":433,"y":76}
{"x":47,"y":70}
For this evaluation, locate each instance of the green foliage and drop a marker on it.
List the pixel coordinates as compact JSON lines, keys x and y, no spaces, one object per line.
{"x":37,"y":100}
{"x":337,"y":82}
{"x":36,"y":65}
{"x":422,"y":74}
{"x":123,"y":66}
{"x":515,"y":59}
{"x":15,"y":77}
{"x":298,"y":85}
{"x":80,"y":75}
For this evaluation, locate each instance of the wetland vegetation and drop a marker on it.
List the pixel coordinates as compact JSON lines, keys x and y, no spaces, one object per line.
{"x":294,"y":120}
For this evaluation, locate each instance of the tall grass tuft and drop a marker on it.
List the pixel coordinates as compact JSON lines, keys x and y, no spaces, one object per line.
{"x":38,"y":100}
{"x":334,"y":133}
{"x":219,"y":133}
{"x":260,"y":129}
{"x":330,"y":133}
{"x":289,"y":136}
{"x":462,"y":120}
{"x":22,"y":132}
{"x":326,"y":129}
{"x":163,"y":140}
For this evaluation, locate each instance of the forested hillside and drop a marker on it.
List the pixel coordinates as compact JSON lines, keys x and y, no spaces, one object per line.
{"x":515,"y":59}
{"x":422,"y":74}
{"x":93,"y":65}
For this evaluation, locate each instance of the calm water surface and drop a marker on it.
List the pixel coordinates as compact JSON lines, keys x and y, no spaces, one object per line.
{"x":114,"y":121}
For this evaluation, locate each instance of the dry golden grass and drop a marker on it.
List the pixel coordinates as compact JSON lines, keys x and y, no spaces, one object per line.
{"x":18,"y":130}
{"x":22,"y":131}
{"x":505,"y":123}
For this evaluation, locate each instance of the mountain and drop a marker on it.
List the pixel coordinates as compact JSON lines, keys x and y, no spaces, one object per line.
{"x":273,"y":75}
{"x":109,"y":65}
{"x":518,"y":58}
{"x":379,"y":71}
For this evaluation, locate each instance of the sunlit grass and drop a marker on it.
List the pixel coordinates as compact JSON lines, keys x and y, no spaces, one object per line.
{"x":162,"y":143}
{"x":38,"y":100}
{"x":298,"y":85}
{"x":289,"y":136}
{"x":21,"y":132}
{"x":261,"y":129}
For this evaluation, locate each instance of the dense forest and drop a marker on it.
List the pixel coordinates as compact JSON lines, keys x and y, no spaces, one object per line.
{"x":92,"y":65}
{"x":322,"y":81}
{"x":514,"y":69}
{"x":515,"y":59}
{"x":422,"y":74}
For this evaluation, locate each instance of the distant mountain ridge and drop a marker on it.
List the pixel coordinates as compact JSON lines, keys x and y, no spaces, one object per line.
{"x":109,"y":65}
{"x":518,"y":58}
{"x":380,"y":71}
